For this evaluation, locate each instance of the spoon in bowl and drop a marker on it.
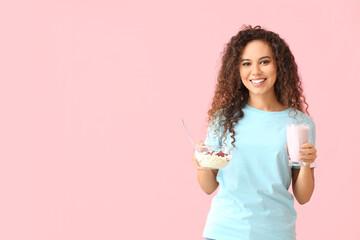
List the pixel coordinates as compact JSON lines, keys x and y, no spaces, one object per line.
{"x":192,"y":142}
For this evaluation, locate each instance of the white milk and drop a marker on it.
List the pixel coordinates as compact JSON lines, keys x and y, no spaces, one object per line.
{"x":297,"y":135}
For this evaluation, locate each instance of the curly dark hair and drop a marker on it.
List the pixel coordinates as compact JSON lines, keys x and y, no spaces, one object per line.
{"x":231,"y":95}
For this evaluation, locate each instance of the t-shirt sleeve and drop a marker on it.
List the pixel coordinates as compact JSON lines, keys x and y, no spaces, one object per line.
{"x":312,"y":139}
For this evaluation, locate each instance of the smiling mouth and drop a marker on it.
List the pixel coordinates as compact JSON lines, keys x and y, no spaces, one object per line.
{"x":257,"y":81}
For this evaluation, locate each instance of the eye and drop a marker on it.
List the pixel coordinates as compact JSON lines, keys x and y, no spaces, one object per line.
{"x":265,"y":61}
{"x":246,"y":64}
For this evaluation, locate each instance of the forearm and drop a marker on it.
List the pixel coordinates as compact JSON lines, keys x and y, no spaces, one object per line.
{"x":304,"y":185}
{"x":207,"y":180}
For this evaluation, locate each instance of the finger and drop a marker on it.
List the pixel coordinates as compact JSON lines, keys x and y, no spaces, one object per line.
{"x":307,"y":145}
{"x":197,"y":165}
{"x":287,"y":150}
{"x":308,"y":157}
{"x":195,"y":162}
{"x":307,"y":151}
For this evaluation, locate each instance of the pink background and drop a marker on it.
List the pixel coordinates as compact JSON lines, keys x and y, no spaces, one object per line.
{"x":92,"y":93}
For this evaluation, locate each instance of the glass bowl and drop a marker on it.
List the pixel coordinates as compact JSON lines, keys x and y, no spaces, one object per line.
{"x":213,"y":157}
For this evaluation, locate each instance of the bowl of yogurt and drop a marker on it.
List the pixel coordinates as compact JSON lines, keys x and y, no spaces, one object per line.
{"x":213,"y":157}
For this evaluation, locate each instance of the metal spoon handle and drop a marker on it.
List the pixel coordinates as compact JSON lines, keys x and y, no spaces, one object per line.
{"x":187,"y":133}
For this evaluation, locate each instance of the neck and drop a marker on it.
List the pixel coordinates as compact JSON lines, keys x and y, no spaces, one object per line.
{"x":266,"y":103}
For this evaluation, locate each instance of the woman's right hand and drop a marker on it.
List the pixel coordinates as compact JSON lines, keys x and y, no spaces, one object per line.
{"x":206,"y":176}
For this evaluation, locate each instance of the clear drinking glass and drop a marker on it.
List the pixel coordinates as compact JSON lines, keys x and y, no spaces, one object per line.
{"x":297,"y":135}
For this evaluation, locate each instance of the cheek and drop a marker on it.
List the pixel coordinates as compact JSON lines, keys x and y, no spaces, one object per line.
{"x":243,"y":74}
{"x":243,"y":78}
{"x":273,"y":73}
{"x":243,"y":82}
{"x":274,"y":70}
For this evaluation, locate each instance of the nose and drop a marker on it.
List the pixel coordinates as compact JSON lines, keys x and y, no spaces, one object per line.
{"x":256,"y":70}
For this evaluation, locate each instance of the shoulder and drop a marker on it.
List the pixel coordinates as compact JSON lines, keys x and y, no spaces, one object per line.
{"x":301,"y":116}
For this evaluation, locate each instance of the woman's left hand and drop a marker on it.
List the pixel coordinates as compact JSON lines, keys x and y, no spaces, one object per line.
{"x":309,"y":153}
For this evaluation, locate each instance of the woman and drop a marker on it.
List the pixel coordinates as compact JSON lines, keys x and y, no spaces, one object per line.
{"x":258,"y":93}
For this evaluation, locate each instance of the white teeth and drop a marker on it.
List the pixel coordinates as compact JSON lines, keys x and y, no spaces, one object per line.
{"x":258,"y":81}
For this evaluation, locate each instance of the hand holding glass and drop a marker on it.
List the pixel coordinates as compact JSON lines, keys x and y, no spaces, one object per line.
{"x":297,"y":135}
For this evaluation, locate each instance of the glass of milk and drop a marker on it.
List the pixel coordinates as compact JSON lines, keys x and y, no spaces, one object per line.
{"x":297,"y":135}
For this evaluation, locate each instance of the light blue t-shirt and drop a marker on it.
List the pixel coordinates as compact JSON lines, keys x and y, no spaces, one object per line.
{"x":253,"y":201}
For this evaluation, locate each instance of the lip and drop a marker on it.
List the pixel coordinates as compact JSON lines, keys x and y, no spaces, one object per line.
{"x":258,"y":84}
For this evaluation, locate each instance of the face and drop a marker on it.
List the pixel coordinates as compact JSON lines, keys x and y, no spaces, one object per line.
{"x":258,"y":68}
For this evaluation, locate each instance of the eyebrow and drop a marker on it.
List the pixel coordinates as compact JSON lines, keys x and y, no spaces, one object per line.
{"x":245,"y":59}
